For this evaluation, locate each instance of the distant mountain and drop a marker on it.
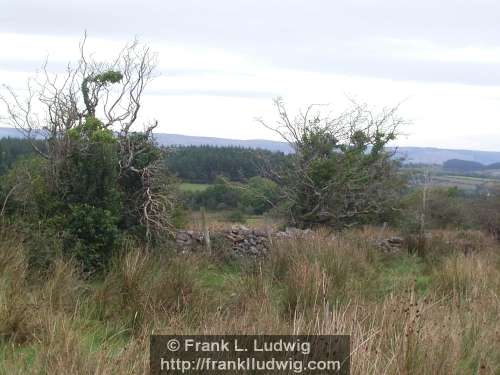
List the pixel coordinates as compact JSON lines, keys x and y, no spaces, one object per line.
{"x":466,"y":166}
{"x":457,"y":165}
{"x":9,"y":133}
{"x":166,"y":139}
{"x":429,"y":155}
{"x":187,"y":140}
{"x":495,"y":166}
{"x":423,"y":155}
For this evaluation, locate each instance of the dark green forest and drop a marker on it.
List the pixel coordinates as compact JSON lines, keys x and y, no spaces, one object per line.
{"x":12,"y":149}
{"x":196,"y":164}
{"x":203,"y":164}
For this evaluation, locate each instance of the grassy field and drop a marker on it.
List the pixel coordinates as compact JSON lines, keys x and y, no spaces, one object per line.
{"x":435,"y":314}
{"x":442,"y":178}
{"x":462,"y":182}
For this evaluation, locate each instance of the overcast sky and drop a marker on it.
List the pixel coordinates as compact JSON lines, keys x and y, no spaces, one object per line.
{"x":222,"y":61}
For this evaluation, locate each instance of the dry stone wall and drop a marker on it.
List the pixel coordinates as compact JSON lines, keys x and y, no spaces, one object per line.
{"x":245,"y":242}
{"x":241,"y":240}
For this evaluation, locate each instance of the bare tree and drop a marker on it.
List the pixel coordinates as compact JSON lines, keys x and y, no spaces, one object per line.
{"x":57,"y":104}
{"x":340,"y":172}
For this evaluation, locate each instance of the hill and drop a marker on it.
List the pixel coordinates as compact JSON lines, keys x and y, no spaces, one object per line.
{"x":457,"y":165}
{"x":186,"y":140}
{"x":494,"y":166}
{"x":431,"y":155}
{"x":9,"y":133}
{"x":466,"y":166}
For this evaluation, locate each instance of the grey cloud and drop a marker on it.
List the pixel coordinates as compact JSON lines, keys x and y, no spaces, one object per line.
{"x":18,"y":65}
{"x":31,"y":66}
{"x":485,"y":74}
{"x":342,"y":36}
{"x":199,"y":72}
{"x":222,"y":93}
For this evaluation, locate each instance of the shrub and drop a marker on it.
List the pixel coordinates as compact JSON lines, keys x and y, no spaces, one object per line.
{"x":341,"y":173}
{"x":236,"y":216}
{"x":91,"y":235}
{"x":216,"y":195}
{"x":259,"y":195}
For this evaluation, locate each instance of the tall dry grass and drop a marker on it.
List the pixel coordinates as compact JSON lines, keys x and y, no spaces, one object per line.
{"x":405,"y":315}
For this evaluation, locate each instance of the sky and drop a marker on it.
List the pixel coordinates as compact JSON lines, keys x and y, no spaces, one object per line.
{"x":221,"y":62}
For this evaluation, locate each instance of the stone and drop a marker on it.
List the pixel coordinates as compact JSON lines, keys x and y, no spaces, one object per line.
{"x":395,"y":241}
{"x":182,"y":236}
{"x":245,"y":242}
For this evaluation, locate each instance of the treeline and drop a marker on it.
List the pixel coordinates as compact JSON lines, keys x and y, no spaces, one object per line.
{"x":465,"y":166}
{"x":12,"y":149}
{"x":203,"y":164}
{"x":196,"y":164}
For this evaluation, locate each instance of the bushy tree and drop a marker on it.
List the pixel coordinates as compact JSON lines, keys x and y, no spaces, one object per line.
{"x":220,"y":195}
{"x":259,"y":195}
{"x":101,"y":178}
{"x":341,"y":173}
{"x":255,"y":196}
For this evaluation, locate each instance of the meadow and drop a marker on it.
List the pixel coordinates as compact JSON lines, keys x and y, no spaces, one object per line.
{"x":436,"y":313}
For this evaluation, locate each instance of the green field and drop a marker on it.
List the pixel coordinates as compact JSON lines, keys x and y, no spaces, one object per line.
{"x":462,"y":182}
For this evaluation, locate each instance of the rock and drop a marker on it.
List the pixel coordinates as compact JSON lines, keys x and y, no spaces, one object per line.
{"x":244,"y":241}
{"x":182,"y":236}
{"x":389,"y":245}
{"x":253,"y":250}
{"x":395,"y":241}
{"x":239,"y":228}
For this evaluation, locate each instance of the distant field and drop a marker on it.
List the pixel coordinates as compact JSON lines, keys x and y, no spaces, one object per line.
{"x":462,"y":182}
{"x":186,"y":186}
